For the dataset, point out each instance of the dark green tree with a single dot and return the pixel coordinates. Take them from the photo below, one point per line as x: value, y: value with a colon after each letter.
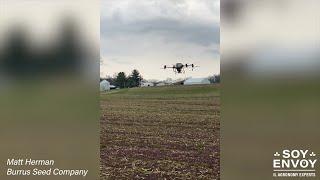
x: 135, y: 78
x: 217, y: 78
x: 130, y: 82
x: 214, y: 79
x: 121, y: 80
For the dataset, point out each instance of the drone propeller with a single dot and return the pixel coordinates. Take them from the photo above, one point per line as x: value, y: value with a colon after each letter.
x: 190, y: 65
x: 166, y: 67
x: 194, y: 66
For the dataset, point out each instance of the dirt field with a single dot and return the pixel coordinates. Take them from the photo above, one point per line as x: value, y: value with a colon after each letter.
x: 161, y: 133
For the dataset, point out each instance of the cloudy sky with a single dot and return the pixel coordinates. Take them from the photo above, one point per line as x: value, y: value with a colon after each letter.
x: 147, y: 34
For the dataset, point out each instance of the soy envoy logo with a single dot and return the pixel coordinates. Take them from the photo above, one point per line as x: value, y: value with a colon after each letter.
x: 294, y: 163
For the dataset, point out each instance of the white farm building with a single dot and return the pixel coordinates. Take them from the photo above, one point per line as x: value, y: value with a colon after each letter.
x: 193, y: 81
x: 104, y: 85
x: 147, y: 84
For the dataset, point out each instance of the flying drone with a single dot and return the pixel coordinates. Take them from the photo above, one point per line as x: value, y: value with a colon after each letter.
x: 180, y: 68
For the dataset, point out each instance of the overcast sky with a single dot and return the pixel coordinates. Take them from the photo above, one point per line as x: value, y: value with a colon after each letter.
x: 147, y: 34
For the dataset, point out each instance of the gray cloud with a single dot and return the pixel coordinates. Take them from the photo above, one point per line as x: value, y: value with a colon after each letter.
x: 119, y: 61
x: 149, y: 33
x: 169, y: 29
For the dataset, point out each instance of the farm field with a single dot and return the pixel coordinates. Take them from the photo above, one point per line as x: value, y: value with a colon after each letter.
x: 160, y: 133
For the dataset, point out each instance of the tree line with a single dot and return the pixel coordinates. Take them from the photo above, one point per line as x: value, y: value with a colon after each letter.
x: 134, y: 79
x: 121, y: 80
x: 214, y: 79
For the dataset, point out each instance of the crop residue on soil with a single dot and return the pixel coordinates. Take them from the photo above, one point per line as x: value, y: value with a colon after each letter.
x: 161, y: 132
